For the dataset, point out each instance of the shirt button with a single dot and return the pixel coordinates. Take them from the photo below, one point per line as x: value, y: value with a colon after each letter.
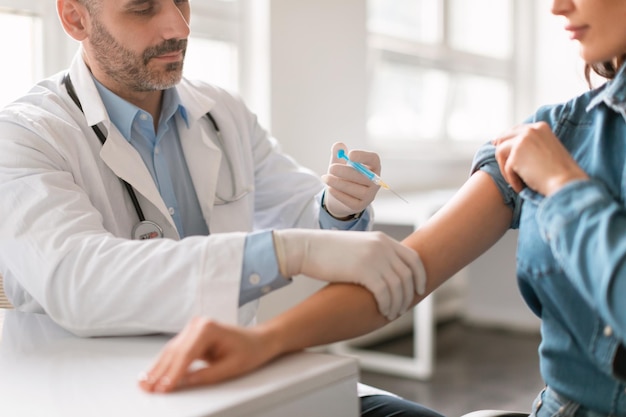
x: 608, y: 331
x: 143, y: 116
x: 255, y: 279
x: 172, y: 211
x: 157, y: 150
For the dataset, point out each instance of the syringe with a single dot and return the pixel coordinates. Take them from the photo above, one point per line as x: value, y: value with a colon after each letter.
x: 369, y: 174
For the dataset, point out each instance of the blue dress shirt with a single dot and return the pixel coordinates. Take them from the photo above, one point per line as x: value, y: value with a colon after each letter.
x: 162, y: 154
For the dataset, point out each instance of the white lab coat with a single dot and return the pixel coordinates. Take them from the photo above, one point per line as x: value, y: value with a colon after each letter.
x: 65, y: 240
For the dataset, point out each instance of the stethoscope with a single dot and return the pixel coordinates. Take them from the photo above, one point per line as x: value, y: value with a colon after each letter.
x: 147, y: 229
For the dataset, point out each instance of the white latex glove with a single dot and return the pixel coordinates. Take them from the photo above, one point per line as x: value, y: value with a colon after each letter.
x: 349, y: 192
x: 388, y: 269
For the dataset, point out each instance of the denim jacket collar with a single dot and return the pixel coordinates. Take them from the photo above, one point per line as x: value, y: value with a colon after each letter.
x: 613, y: 94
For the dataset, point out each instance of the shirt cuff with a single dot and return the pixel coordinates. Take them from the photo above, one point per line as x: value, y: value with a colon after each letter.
x: 259, y: 274
x: 327, y: 221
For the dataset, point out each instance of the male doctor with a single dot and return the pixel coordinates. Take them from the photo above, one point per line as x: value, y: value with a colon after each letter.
x: 133, y: 199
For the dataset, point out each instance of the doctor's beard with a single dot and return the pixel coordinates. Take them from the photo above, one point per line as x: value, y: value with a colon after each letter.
x: 131, y: 69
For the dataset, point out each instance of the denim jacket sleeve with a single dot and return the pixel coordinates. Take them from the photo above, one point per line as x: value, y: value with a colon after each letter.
x: 586, y: 227
x: 485, y: 160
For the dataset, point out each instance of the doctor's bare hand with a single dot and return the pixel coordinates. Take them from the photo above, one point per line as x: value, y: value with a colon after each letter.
x: 349, y: 192
x: 206, y: 352
x: 392, y: 272
x: 531, y: 155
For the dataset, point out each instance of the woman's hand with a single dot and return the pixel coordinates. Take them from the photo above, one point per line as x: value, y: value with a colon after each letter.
x: 531, y: 155
x: 224, y: 352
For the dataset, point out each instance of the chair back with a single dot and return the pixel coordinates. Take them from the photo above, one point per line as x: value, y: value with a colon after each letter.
x: 4, y: 302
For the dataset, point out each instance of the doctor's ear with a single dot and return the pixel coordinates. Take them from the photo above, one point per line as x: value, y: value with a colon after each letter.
x: 74, y: 17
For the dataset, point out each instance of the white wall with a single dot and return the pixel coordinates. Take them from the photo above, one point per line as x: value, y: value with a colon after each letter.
x: 317, y: 95
x: 318, y: 78
x: 307, y: 79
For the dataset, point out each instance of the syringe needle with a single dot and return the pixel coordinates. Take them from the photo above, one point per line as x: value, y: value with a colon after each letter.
x: 398, y: 195
x: 387, y: 187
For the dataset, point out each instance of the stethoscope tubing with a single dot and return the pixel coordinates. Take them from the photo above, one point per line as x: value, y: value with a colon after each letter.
x: 131, y: 192
x: 102, y: 137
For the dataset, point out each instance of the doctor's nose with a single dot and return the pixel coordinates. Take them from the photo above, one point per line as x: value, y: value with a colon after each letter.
x: 174, y: 21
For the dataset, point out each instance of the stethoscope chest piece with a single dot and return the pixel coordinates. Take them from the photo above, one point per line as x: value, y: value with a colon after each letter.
x: 147, y: 230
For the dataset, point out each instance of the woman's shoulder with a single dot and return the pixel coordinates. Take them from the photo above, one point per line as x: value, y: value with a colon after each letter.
x: 577, y: 107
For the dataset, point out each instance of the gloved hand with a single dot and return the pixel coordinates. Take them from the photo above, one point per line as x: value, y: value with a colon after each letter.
x: 391, y: 271
x: 349, y: 192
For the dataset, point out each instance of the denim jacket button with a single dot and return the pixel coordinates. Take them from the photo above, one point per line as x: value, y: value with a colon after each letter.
x: 608, y: 331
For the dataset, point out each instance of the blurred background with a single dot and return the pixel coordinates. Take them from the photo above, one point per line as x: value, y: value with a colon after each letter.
x: 422, y: 82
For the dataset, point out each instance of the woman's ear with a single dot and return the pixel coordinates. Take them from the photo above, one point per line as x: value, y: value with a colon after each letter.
x: 73, y: 16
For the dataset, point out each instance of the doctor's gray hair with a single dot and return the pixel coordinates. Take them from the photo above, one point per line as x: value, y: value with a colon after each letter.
x: 92, y: 6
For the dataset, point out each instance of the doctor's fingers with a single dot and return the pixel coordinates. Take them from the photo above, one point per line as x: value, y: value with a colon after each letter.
x: 351, y: 194
x: 345, y: 173
x: 399, y: 280
x: 398, y: 271
x: 367, y: 158
x: 334, y: 159
x: 410, y: 269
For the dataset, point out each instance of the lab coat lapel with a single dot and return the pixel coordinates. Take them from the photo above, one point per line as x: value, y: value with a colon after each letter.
x: 202, y: 155
x: 127, y: 164
x: 117, y: 153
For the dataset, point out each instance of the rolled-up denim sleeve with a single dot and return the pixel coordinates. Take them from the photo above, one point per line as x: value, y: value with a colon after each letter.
x: 485, y: 160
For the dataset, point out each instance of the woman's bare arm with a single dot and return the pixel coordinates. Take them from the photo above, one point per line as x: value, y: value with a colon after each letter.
x: 461, y: 231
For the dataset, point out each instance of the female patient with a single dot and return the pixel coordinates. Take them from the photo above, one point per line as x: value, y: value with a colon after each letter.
x: 561, y: 179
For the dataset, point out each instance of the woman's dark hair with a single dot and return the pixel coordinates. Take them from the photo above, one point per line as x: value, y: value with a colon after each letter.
x: 606, y: 70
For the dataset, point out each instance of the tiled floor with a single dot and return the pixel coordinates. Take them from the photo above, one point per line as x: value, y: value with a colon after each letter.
x: 476, y: 368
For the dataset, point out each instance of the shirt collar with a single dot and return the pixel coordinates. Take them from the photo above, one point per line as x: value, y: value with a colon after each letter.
x: 123, y: 114
x: 613, y: 94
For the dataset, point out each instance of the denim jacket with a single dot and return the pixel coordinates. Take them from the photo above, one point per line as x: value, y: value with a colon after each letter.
x: 571, y: 254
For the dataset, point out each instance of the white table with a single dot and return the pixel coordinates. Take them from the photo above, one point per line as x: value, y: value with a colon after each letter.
x: 46, y: 371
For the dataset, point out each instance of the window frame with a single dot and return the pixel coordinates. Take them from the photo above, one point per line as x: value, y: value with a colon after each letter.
x: 516, y: 70
x: 214, y: 19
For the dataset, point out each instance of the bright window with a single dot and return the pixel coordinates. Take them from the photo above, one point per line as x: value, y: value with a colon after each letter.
x: 20, y: 42
x: 32, y: 40
x: 441, y: 71
x: 214, y: 44
x: 214, y: 61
